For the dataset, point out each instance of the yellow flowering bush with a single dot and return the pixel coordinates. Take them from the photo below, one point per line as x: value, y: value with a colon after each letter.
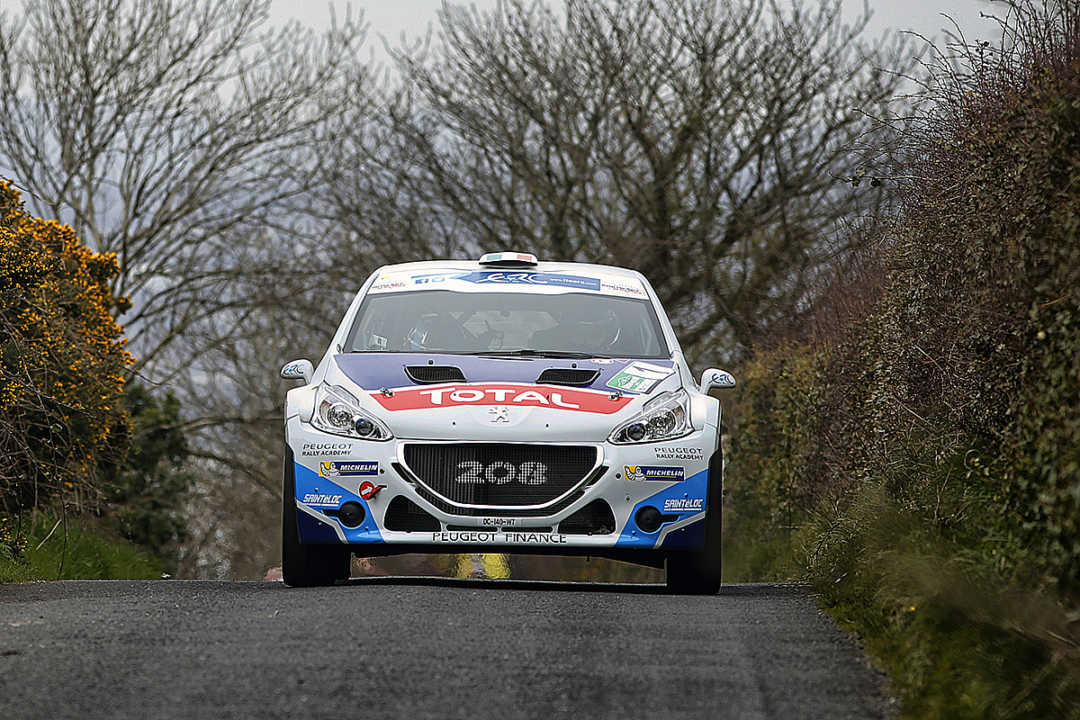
x: 62, y: 360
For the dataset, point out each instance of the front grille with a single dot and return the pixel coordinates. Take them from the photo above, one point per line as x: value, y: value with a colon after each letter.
x: 428, y: 374
x: 565, y: 376
x: 500, y: 474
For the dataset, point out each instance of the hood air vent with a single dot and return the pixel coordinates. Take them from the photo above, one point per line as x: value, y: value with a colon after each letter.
x: 564, y: 376
x: 428, y: 374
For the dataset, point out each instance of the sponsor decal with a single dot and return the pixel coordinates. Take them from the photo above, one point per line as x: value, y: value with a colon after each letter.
x: 654, y: 472
x: 369, y: 489
x: 504, y: 394
x: 670, y: 452
x: 322, y: 500
x: 348, y: 469
x: 331, y: 449
x: 683, y: 504
x: 481, y: 537
x: 385, y: 284
x: 722, y: 377
x: 579, y: 282
x: 639, y: 377
x: 432, y: 278
x: 622, y: 288
x: 294, y: 369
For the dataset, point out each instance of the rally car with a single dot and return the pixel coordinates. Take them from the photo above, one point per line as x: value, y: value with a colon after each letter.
x: 503, y: 405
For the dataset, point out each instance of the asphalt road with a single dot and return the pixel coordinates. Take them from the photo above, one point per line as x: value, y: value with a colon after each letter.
x: 424, y: 648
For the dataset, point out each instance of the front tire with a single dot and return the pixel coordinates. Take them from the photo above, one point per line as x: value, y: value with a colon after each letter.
x: 697, y: 572
x: 306, y: 565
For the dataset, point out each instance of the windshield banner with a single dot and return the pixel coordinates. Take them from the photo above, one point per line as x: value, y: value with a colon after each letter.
x: 620, y: 285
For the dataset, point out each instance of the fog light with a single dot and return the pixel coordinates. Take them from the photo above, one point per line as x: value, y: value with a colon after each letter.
x: 351, y: 514
x: 649, y: 519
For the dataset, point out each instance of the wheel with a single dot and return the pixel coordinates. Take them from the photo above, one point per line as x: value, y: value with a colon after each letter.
x: 306, y: 565
x: 697, y: 572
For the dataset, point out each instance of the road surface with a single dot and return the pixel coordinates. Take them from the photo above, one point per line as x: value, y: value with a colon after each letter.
x: 424, y: 648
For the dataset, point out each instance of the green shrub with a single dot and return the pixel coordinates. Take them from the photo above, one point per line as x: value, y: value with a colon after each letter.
x: 919, y: 461
x: 145, y: 490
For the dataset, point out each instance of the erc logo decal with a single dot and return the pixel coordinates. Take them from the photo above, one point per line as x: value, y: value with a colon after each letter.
x: 654, y: 472
x: 348, y: 469
x: 501, y: 394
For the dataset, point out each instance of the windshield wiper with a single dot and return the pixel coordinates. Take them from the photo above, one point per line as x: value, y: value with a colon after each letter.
x: 541, y: 353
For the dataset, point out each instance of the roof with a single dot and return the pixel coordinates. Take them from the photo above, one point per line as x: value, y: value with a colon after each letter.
x: 544, y: 277
x: 465, y: 265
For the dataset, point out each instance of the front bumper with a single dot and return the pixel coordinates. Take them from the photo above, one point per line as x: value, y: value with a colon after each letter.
x: 330, y: 471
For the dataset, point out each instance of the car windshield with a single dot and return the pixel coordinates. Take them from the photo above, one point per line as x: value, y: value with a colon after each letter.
x: 569, y: 324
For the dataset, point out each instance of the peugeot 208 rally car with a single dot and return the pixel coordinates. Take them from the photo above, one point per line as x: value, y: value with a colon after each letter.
x: 505, y: 405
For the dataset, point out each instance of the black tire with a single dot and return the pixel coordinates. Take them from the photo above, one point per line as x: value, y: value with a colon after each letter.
x: 698, y: 572
x: 306, y: 565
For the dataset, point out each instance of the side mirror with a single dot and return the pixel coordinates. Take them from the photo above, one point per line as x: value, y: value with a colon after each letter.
x: 713, y: 379
x: 298, y: 370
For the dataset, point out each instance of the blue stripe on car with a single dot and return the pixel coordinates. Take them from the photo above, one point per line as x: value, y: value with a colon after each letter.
x: 313, y: 530
x: 690, y: 537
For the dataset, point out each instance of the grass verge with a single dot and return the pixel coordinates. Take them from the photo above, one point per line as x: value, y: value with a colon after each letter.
x: 78, y: 548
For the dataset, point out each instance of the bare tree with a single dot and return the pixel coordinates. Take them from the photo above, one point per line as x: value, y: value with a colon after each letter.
x: 706, y: 143
x: 169, y: 133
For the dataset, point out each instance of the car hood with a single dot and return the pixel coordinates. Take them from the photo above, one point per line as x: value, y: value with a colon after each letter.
x: 502, y: 399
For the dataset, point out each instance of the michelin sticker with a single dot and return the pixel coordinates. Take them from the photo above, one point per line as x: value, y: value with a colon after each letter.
x: 639, y: 377
x: 654, y: 472
x: 348, y: 469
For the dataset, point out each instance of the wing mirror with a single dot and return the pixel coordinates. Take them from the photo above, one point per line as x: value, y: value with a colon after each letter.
x: 298, y: 370
x: 714, y: 379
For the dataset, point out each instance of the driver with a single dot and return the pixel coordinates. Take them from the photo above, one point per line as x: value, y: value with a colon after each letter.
x: 439, y: 332
x: 586, y: 327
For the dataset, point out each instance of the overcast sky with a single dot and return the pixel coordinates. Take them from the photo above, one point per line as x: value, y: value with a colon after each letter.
x: 390, y: 18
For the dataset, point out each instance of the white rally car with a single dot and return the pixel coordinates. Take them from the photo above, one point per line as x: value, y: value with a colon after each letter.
x: 505, y: 405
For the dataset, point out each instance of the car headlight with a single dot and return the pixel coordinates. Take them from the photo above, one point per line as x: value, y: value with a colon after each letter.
x: 665, y: 417
x: 338, y: 412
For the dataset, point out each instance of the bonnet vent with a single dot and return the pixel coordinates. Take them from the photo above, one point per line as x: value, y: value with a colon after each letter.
x: 564, y: 376
x: 427, y: 374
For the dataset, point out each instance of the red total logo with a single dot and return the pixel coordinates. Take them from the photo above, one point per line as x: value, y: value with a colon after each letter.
x: 502, y: 394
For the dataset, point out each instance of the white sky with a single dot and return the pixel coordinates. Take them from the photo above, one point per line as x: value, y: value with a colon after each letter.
x: 390, y: 18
